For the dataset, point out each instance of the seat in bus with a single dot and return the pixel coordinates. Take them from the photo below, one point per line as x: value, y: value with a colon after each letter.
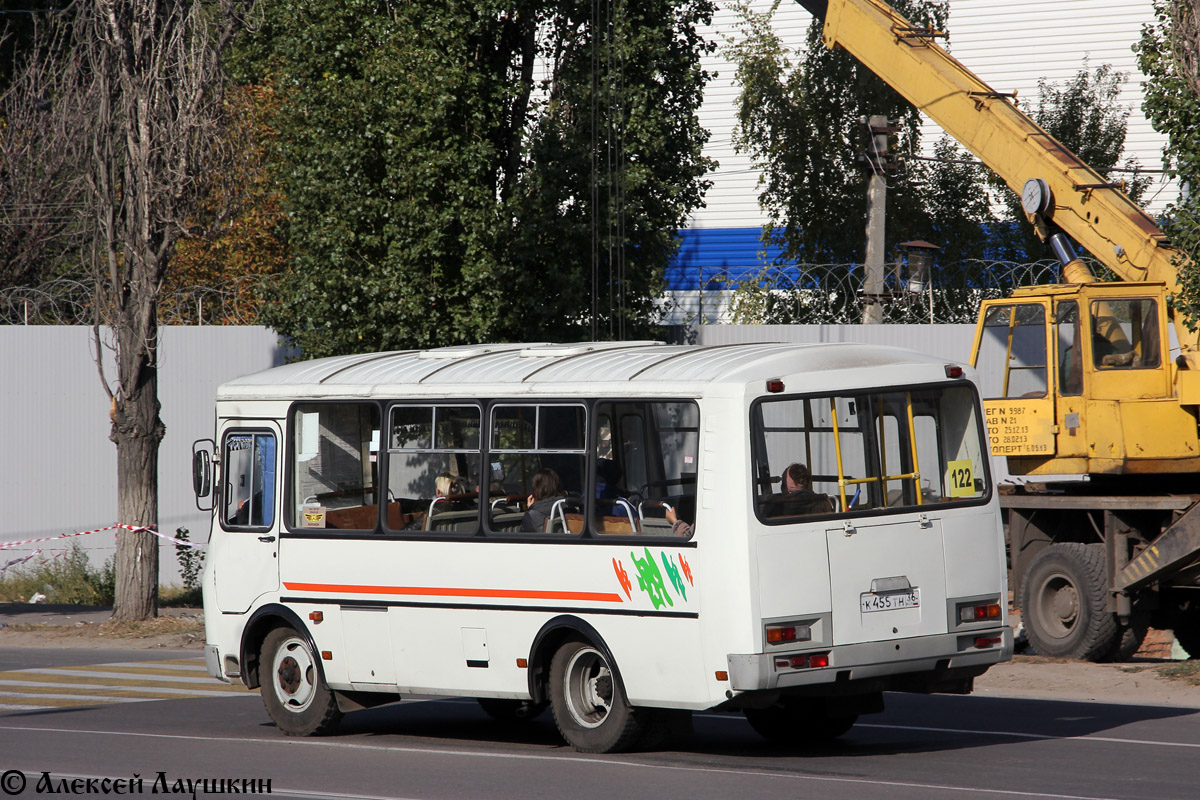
x: 452, y: 520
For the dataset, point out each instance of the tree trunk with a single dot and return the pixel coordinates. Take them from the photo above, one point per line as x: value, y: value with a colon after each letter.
x: 137, y: 431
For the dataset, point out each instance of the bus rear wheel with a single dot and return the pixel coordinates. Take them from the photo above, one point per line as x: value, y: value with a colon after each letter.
x: 293, y: 688
x: 799, y: 721
x: 589, y: 705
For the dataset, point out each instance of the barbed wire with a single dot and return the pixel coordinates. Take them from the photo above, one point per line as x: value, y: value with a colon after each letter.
x: 792, y: 294
x: 68, y: 301
x: 834, y: 294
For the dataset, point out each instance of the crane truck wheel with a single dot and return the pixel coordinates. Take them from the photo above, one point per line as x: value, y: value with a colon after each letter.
x: 1064, y: 604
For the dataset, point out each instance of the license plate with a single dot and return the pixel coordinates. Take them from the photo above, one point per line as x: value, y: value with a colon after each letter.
x: 890, y: 601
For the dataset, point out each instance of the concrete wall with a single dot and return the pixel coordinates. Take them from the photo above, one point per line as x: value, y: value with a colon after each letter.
x: 59, y: 473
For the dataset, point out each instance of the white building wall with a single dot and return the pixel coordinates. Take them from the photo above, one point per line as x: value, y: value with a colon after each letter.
x: 1010, y: 45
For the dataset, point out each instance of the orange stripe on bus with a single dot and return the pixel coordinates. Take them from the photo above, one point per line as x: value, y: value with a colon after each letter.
x: 521, y: 594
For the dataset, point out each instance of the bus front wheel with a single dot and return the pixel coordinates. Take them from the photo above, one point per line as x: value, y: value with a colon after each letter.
x: 588, y: 702
x: 293, y: 688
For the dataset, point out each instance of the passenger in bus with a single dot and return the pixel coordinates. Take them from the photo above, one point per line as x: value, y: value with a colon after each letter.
x: 797, y: 497
x: 447, y: 484
x: 547, y: 488
x: 678, y: 526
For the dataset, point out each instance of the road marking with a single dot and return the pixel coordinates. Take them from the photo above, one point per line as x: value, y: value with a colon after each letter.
x: 605, y: 763
x: 103, y: 684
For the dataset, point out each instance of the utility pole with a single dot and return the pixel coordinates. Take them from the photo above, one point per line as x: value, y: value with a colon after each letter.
x: 876, y: 163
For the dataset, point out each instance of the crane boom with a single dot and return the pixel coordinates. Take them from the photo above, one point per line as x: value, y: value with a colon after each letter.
x: 1096, y: 213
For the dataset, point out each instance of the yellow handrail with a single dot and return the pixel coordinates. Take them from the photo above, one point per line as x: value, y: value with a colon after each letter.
x: 912, y: 443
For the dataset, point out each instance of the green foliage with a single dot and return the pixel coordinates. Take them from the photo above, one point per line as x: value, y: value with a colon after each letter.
x: 191, y: 561
x: 1173, y: 108
x: 1086, y: 116
x: 956, y: 203
x: 800, y: 115
x: 440, y: 191
x: 69, y: 579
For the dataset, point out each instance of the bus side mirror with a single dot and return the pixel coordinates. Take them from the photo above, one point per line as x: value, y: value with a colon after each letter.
x: 202, y: 470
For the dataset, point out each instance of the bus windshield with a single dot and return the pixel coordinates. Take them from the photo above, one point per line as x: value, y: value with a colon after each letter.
x: 870, y: 452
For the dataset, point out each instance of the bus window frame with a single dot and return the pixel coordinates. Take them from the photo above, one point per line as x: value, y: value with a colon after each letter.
x: 224, y: 476
x: 483, y: 533
x: 757, y: 441
x: 290, y: 463
x: 385, y: 468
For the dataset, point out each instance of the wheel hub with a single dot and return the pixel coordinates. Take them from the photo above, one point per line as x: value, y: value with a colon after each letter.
x: 289, y: 675
x: 1066, y: 605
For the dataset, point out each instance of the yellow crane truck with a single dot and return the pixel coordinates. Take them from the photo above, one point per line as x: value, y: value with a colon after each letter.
x: 1089, y: 379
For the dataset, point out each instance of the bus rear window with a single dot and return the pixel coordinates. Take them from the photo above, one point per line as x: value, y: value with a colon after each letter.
x: 871, y: 452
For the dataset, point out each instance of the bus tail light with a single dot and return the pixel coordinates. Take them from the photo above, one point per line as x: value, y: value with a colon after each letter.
x: 984, y: 642
x: 774, y: 386
x: 979, y: 613
x: 954, y: 371
x: 809, y: 661
x: 787, y: 632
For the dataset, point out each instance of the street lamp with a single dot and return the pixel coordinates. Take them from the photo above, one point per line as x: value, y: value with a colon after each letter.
x: 919, y: 255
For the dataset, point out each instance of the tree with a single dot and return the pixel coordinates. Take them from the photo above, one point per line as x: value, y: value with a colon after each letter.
x: 1167, y: 57
x: 1086, y: 116
x: 136, y: 85
x: 800, y: 115
x: 958, y: 207
x: 233, y: 256
x: 479, y: 170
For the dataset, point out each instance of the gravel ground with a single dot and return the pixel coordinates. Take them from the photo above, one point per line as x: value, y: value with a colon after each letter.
x: 1150, y: 679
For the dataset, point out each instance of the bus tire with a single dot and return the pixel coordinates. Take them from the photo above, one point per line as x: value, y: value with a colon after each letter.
x: 504, y: 710
x: 793, y: 721
x: 293, y: 688
x: 588, y: 702
x: 1064, y: 604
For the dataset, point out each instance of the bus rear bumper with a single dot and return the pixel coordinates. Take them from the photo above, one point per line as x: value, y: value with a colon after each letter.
x: 928, y: 663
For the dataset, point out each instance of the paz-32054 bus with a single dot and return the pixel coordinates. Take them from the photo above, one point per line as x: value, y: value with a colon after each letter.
x: 624, y: 532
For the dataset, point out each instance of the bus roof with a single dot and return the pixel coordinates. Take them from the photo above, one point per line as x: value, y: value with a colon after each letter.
x: 520, y: 368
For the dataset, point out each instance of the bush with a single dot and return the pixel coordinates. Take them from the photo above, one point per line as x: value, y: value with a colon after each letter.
x: 68, y: 580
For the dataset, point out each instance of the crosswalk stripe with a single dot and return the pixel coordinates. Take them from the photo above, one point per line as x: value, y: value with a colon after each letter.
x: 172, y: 672
x: 188, y: 666
x: 102, y: 684
x: 48, y: 676
x: 81, y: 697
x: 34, y: 687
x: 101, y: 672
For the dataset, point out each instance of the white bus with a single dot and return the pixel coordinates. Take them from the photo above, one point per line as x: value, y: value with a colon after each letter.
x: 373, y: 535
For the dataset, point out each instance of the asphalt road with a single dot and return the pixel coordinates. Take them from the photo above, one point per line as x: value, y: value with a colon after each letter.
x: 924, y: 748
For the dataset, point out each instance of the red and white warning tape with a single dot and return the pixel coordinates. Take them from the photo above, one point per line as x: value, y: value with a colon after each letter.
x: 118, y: 527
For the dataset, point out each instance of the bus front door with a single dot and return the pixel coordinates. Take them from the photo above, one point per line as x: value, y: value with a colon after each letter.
x: 244, y: 550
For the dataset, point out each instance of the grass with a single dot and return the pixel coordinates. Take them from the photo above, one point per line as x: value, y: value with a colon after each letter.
x: 72, y: 580
x: 1186, y: 671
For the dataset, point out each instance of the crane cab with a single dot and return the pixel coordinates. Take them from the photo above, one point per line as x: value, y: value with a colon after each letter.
x: 1078, y: 379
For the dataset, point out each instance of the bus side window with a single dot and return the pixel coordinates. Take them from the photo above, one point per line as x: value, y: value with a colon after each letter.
x: 248, y: 498
x: 434, y: 471
x: 645, y: 464
x: 527, y: 440
x: 333, y: 483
